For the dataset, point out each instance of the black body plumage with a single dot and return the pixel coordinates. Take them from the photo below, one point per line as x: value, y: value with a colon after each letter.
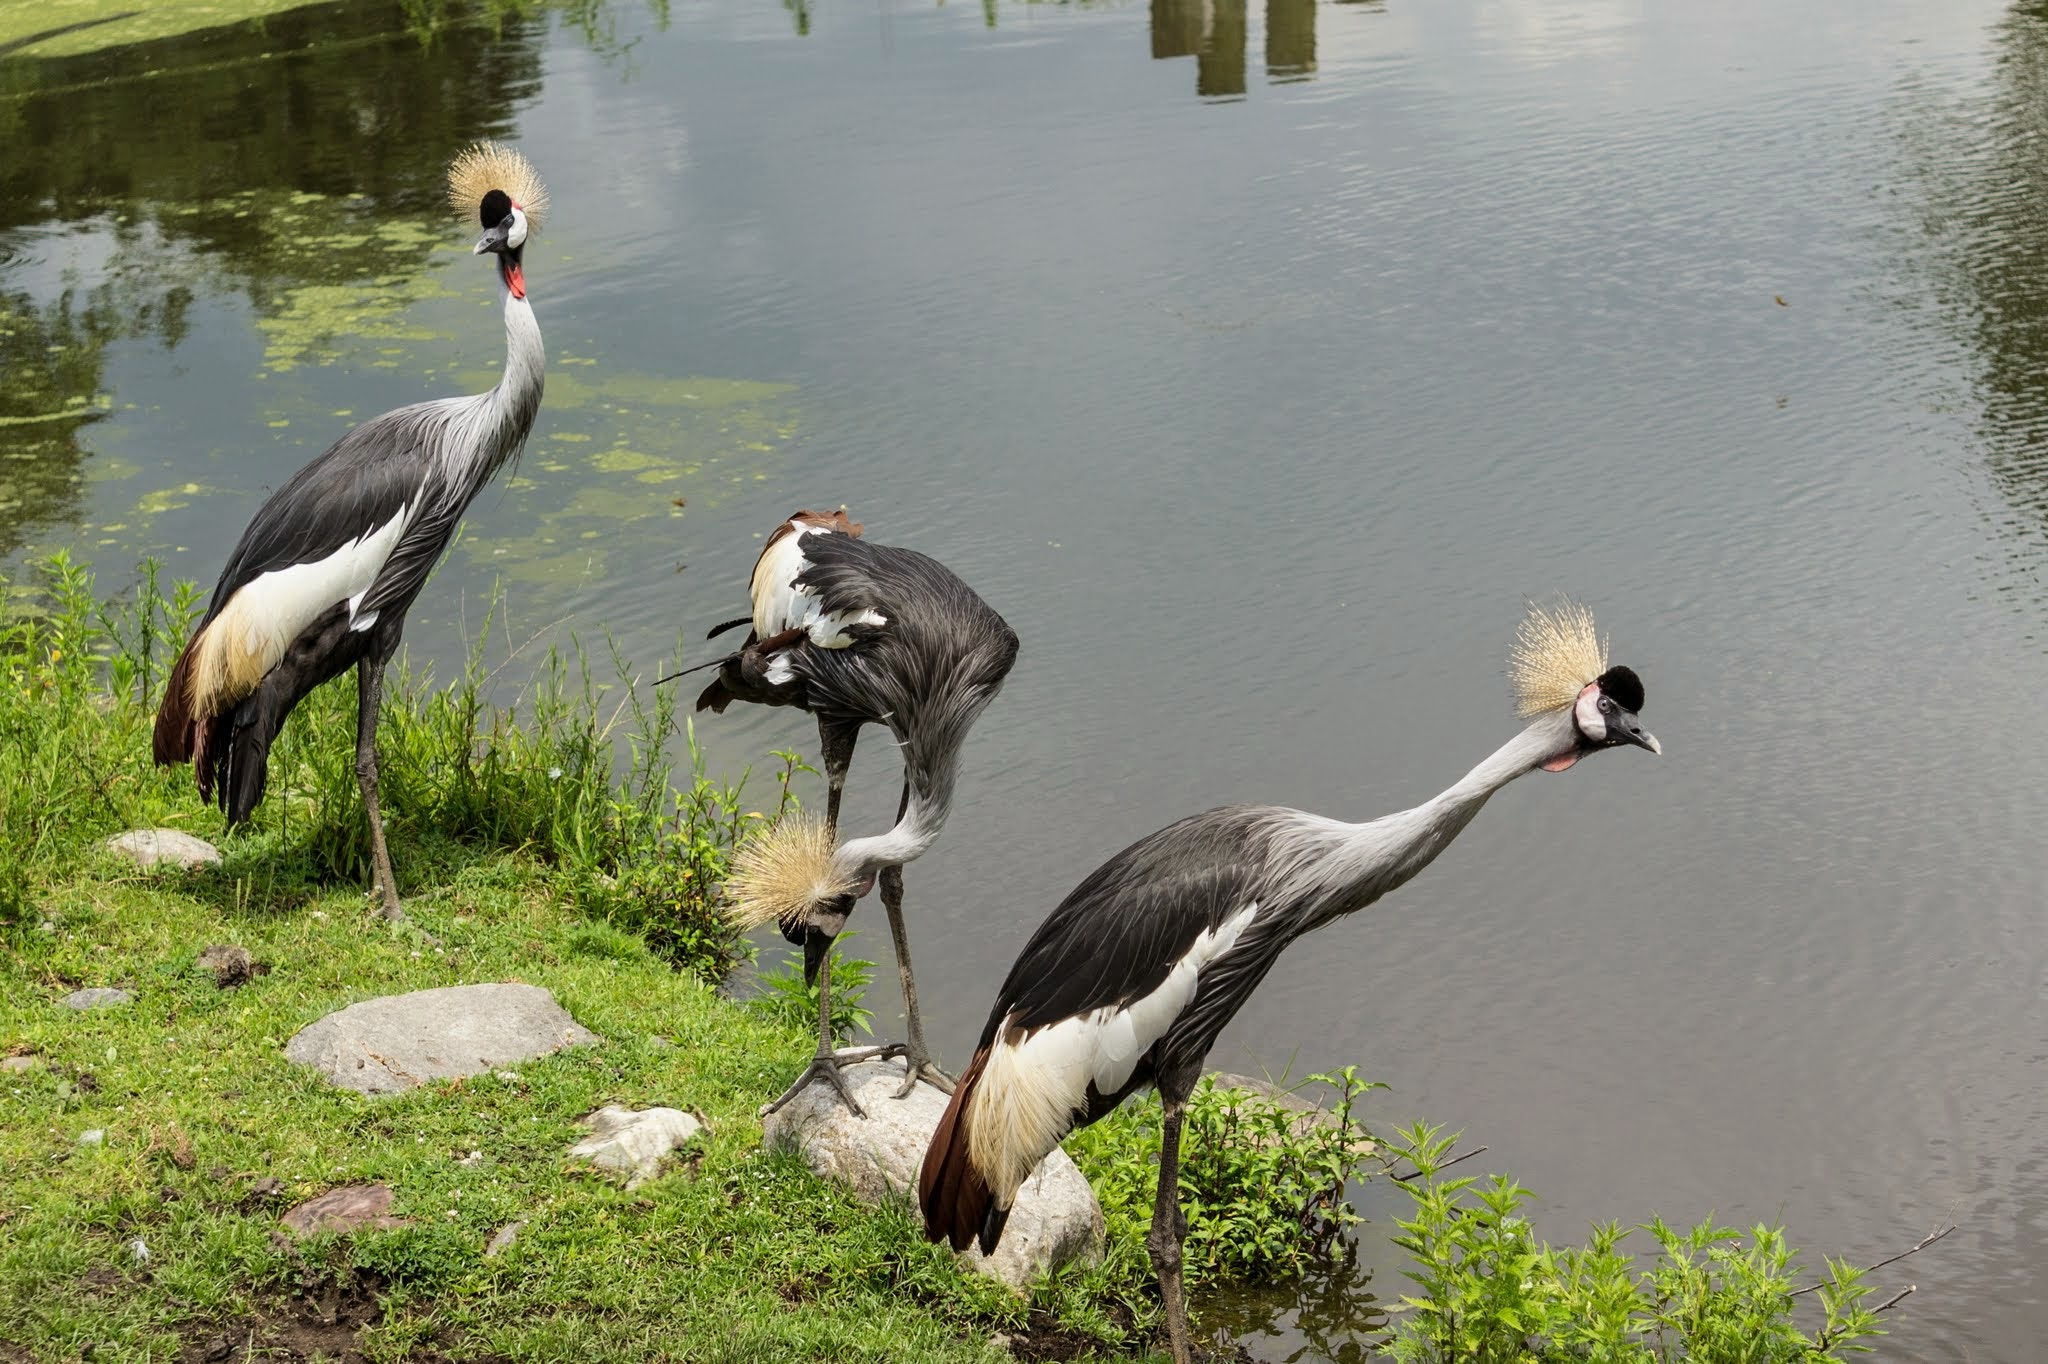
x: 1117, y: 935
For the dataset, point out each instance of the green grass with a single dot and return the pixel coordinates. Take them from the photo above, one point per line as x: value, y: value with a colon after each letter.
x: 742, y: 1255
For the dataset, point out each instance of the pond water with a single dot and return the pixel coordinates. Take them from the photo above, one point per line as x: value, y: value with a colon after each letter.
x: 1257, y: 364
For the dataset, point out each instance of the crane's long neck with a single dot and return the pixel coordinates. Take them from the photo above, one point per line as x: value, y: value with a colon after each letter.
x: 517, y: 397
x: 492, y: 427
x: 928, y: 799
x: 1348, y: 866
x: 931, y: 738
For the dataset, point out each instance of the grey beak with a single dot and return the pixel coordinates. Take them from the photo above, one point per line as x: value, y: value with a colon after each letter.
x: 1631, y: 731
x: 493, y: 239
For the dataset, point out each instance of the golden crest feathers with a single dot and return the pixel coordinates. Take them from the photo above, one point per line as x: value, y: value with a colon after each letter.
x: 1556, y: 653
x: 493, y: 165
x: 778, y: 875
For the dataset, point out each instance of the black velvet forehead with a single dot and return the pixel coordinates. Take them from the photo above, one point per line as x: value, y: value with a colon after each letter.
x: 1622, y: 684
x: 495, y: 207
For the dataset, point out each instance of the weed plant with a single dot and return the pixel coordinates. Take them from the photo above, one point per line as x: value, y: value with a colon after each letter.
x: 1490, y: 1293
x: 787, y: 1000
x: 1263, y: 1183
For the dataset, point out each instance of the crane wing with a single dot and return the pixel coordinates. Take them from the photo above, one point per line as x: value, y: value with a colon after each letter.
x: 1103, y: 980
x: 359, y: 486
x: 1118, y: 934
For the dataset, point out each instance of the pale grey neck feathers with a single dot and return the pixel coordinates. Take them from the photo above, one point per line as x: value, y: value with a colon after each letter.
x: 1335, y: 868
x: 488, y: 430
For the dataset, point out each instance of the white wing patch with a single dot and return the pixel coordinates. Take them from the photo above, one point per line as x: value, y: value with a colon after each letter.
x: 779, y: 604
x: 1030, y: 1090
x: 266, y: 614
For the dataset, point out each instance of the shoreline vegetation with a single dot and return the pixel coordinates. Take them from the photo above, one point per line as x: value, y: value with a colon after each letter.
x: 148, y: 1151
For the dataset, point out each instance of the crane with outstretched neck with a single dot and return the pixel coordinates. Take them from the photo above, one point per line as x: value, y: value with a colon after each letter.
x: 1132, y: 978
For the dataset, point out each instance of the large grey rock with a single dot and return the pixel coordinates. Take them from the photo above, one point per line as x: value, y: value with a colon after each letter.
x: 1056, y: 1217
x: 164, y: 847
x: 634, y: 1143
x: 392, y: 1044
x: 98, y: 997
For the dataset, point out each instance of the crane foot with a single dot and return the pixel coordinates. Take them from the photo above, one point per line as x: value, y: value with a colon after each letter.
x: 922, y: 1068
x: 826, y: 1066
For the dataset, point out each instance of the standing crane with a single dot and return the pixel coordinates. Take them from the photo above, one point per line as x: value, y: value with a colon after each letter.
x: 323, y: 576
x: 857, y: 633
x: 1132, y: 978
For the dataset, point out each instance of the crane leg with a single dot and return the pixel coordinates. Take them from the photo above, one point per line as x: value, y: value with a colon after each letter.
x: 917, y: 1061
x: 1169, y: 1228
x: 835, y: 750
x: 825, y: 1065
x: 369, y: 691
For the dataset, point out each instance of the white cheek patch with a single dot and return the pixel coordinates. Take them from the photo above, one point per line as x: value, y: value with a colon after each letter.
x: 517, y: 235
x: 1586, y: 711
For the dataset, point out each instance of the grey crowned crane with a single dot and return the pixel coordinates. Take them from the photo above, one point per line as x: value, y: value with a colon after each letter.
x: 857, y: 633
x: 1130, y: 980
x: 323, y: 576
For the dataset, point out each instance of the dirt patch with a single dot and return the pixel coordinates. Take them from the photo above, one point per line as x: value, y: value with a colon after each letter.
x: 322, y: 1324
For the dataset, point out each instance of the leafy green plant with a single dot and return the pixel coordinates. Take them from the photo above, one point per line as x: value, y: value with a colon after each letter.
x: 1490, y: 1293
x: 425, y: 1258
x: 786, y: 1000
x: 1263, y: 1183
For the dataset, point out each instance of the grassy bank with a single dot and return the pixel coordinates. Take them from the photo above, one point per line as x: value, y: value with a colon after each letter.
x: 147, y: 1151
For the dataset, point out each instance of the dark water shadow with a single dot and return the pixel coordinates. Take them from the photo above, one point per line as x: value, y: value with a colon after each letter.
x: 8, y: 49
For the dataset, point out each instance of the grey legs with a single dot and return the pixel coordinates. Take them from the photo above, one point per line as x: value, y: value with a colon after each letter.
x: 369, y: 691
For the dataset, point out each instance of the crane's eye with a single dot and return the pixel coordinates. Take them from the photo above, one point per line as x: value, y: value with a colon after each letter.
x: 1607, y: 705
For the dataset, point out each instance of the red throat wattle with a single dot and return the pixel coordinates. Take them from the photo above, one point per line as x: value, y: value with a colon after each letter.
x: 514, y: 280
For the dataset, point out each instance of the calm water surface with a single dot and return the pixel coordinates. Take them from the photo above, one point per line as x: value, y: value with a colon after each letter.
x: 1257, y: 364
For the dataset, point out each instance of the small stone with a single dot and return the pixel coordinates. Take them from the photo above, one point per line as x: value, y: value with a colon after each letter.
x: 231, y: 965
x: 1056, y: 1218
x: 98, y: 997
x: 509, y: 1077
x: 505, y: 1236
x: 473, y: 1158
x: 634, y: 1143
x: 320, y: 914
x: 164, y: 847
x: 18, y: 1063
x: 345, y: 1209
x: 659, y: 1043
x: 93, y: 1136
